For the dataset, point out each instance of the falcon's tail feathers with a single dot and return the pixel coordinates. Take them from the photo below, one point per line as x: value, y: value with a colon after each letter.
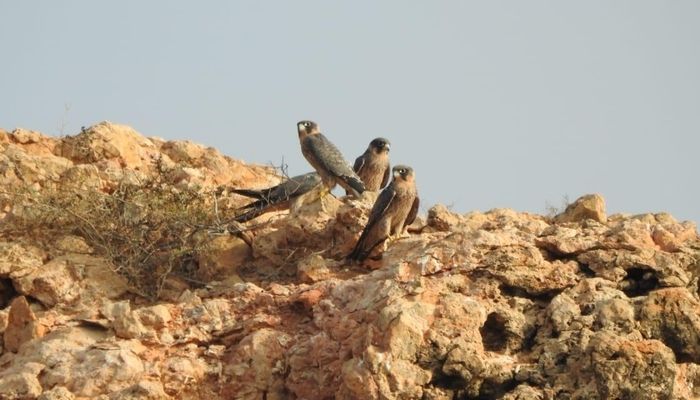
x: 355, y: 184
x: 250, y: 214
x: 256, y: 194
x: 358, y: 253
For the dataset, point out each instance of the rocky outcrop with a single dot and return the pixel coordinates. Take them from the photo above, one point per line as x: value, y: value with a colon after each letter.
x: 498, y: 304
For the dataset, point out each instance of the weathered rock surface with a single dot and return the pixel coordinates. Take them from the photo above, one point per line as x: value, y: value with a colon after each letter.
x: 22, y: 325
x: 487, y: 305
x: 590, y: 206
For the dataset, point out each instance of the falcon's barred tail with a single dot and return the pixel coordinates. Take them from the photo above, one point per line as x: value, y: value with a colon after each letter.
x: 256, y: 194
x: 360, y: 254
x: 355, y: 255
x: 254, y: 209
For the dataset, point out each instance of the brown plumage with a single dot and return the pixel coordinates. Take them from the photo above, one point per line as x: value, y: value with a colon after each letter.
x: 395, y: 209
x: 276, y: 198
x: 373, y: 165
x: 327, y: 160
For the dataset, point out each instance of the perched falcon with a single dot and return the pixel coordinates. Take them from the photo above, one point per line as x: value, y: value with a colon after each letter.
x: 327, y: 159
x: 395, y: 208
x: 276, y: 198
x: 373, y: 165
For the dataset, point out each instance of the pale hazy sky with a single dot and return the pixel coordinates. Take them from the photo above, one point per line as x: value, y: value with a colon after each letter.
x: 494, y: 103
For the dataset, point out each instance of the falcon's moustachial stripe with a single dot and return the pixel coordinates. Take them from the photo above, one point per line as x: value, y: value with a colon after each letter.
x: 327, y: 160
x: 373, y: 165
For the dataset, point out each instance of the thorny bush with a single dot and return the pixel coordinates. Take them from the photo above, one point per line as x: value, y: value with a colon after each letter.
x: 148, y: 230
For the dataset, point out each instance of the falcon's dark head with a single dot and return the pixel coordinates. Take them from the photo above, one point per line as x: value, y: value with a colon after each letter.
x: 403, y: 173
x: 306, y: 128
x: 380, y: 145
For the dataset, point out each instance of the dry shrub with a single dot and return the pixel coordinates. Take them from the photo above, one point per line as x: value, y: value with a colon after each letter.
x: 552, y: 211
x: 148, y: 230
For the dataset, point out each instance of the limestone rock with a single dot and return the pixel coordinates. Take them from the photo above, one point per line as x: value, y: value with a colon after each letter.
x: 19, y: 386
x: 639, y: 271
x: 126, y: 323
x: 57, y: 393
x: 525, y: 269
x: 526, y: 392
x: 441, y: 219
x: 496, y: 304
x: 179, y: 371
x: 67, y: 278
x: 256, y: 365
x: 22, y: 325
x: 144, y: 390
x: 24, y: 136
x: 205, y: 165
x: 673, y: 236
x: 18, y: 260
x: 18, y: 167
x: 310, y: 230
x: 673, y: 317
x: 51, y: 284
x: 83, y: 176
x: 563, y: 240
x: 156, y: 316
x: 100, y: 370
x: 313, y: 269
x: 590, y: 206
x: 107, y: 141
x: 223, y: 257
x: 638, y: 369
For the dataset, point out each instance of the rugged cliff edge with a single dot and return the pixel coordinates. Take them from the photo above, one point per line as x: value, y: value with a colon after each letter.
x: 488, y: 305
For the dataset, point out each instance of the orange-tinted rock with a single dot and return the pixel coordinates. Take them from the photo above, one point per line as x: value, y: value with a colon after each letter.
x: 590, y: 206
x: 22, y: 325
x: 496, y: 304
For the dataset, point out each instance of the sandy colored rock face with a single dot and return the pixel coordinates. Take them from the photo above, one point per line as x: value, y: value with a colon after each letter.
x: 673, y: 317
x: 22, y: 325
x: 591, y: 206
x: 17, y: 260
x: 144, y: 390
x: 489, y: 305
x: 19, y: 386
x: 224, y: 257
x: 57, y: 393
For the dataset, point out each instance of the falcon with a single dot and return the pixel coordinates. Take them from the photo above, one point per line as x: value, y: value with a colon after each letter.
x: 327, y: 160
x: 396, y: 208
x: 276, y: 198
x: 373, y: 165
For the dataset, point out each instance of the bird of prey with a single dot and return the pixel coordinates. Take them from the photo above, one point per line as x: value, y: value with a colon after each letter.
x: 327, y: 160
x: 395, y: 209
x: 276, y: 198
x: 373, y: 165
